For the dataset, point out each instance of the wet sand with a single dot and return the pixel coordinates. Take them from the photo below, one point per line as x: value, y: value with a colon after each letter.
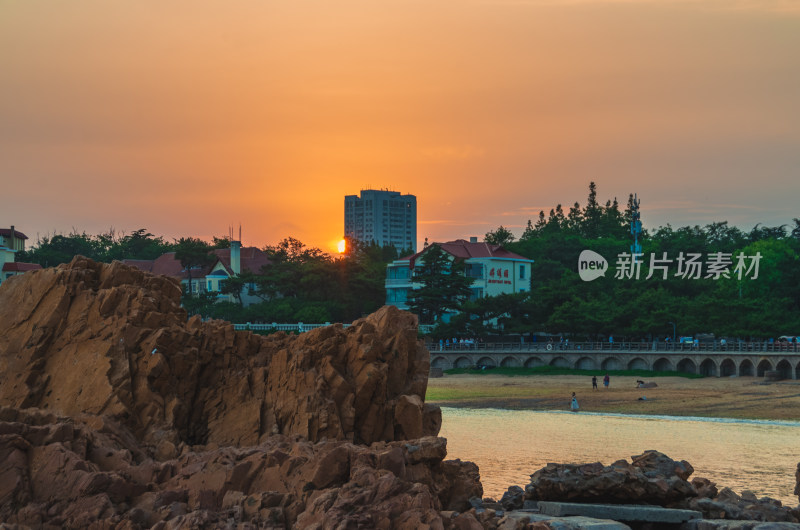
x: 729, y: 397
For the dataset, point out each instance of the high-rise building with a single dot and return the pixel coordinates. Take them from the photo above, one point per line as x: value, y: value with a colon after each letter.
x: 382, y: 216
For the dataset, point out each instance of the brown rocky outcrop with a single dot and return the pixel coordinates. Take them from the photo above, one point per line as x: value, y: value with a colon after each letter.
x: 650, y: 478
x: 727, y: 504
x: 117, y: 412
x: 112, y: 340
x: 84, y: 471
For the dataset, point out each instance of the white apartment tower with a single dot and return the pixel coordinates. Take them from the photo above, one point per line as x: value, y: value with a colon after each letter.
x: 383, y: 216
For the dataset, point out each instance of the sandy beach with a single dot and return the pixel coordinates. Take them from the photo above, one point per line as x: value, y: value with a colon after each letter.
x: 730, y: 397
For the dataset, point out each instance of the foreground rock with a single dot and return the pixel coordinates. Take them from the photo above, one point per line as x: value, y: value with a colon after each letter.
x: 651, y: 478
x: 76, y: 473
x: 117, y: 412
x: 112, y: 340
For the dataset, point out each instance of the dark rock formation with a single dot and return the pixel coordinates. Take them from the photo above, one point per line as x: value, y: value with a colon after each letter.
x: 513, y: 498
x: 655, y: 479
x: 76, y: 472
x: 651, y: 478
x: 728, y: 505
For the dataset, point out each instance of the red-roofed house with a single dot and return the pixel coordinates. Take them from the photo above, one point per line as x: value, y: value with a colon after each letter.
x: 229, y: 262
x: 11, y: 242
x: 494, y: 270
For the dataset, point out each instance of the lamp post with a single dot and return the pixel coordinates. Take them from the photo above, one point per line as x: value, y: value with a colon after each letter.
x: 673, y: 331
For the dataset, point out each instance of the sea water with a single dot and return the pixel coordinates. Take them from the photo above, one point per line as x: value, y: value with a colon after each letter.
x: 510, y: 445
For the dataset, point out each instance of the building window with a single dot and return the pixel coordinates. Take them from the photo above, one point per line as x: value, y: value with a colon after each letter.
x: 474, y: 270
x: 522, y: 272
x: 399, y: 273
x: 394, y: 296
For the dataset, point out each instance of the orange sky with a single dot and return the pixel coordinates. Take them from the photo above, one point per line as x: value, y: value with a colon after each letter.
x: 186, y: 117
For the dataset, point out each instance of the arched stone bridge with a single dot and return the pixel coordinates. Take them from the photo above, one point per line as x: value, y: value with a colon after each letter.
x: 707, y: 360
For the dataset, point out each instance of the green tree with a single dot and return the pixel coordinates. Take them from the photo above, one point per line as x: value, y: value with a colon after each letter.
x: 444, y: 285
x: 235, y: 285
x: 501, y: 236
x: 140, y: 244
x: 592, y: 214
x: 57, y: 249
x: 193, y: 253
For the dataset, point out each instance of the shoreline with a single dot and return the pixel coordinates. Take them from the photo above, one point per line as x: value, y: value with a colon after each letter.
x: 735, y: 398
x: 702, y: 419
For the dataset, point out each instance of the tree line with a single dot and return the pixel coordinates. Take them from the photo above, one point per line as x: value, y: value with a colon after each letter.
x: 302, y: 284
x: 305, y: 284
x: 560, y: 302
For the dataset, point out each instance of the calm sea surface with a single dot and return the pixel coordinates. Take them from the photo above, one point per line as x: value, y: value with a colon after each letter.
x: 510, y: 445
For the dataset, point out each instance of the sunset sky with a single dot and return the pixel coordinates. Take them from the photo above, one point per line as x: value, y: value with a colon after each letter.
x: 188, y: 116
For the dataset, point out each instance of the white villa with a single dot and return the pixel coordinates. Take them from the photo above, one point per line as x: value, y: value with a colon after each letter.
x: 228, y: 262
x: 494, y: 270
x: 11, y: 242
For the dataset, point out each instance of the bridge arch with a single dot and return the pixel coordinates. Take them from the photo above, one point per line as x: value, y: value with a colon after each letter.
x: 533, y: 362
x: 462, y: 362
x: 638, y: 364
x: 746, y: 368
x: 585, y: 363
x: 727, y: 368
x: 611, y: 363
x: 784, y: 369
x: 510, y: 362
x: 687, y: 366
x: 662, y: 365
x: 560, y: 362
x: 708, y: 368
x: 440, y: 362
x: 486, y: 361
x: 763, y: 366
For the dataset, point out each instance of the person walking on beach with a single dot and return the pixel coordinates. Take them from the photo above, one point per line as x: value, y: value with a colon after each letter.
x: 606, y: 381
x: 594, y: 382
x: 574, y: 405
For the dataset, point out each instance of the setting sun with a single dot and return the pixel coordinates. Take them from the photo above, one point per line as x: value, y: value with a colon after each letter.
x: 341, y: 246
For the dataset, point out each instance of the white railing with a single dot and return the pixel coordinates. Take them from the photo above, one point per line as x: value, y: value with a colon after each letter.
x: 299, y: 327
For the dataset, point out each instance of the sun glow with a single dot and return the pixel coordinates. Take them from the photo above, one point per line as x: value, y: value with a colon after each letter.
x: 341, y: 246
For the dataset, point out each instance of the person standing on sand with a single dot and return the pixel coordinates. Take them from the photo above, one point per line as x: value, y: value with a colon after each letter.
x: 594, y: 382
x: 574, y: 405
x: 606, y: 381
